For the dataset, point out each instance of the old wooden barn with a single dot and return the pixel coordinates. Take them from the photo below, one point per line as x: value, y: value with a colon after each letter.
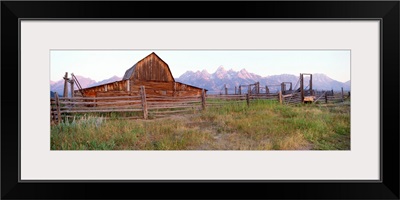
x: 152, y: 73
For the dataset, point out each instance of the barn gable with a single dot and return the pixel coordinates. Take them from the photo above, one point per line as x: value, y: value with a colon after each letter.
x: 150, y: 68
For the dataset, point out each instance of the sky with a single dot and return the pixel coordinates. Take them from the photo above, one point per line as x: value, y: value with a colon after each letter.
x: 103, y: 64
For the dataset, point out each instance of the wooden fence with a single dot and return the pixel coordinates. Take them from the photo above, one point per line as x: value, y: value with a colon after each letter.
x: 219, y: 100
x: 145, y: 106
x: 141, y: 106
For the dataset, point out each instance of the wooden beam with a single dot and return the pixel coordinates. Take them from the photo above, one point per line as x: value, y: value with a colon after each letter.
x: 326, y: 97
x: 258, y: 87
x: 342, y: 95
x: 72, y: 89
x: 66, y: 85
x: 302, y: 87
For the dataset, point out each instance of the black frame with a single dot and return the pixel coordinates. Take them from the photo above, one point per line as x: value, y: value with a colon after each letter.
x: 386, y: 11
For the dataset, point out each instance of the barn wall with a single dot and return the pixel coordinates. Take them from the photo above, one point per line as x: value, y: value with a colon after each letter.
x: 152, y: 68
x: 120, y: 88
x: 115, y: 86
x: 165, y: 88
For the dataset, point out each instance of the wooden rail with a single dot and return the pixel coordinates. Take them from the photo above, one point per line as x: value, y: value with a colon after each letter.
x: 149, y: 106
x: 144, y: 106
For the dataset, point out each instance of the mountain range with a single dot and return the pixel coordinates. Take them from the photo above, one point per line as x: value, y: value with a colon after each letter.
x: 214, y: 82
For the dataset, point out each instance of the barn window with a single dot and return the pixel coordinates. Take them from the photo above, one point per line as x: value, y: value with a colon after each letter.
x: 163, y: 92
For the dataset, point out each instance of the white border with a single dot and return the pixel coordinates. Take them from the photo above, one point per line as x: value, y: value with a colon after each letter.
x: 39, y: 163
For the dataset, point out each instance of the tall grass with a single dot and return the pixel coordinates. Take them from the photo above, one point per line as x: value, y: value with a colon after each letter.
x: 265, y: 125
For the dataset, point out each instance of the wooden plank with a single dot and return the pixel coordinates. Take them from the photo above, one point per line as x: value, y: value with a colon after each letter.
x: 111, y: 118
x: 175, y: 107
x: 226, y: 102
x: 174, y: 111
x: 100, y: 98
x: 138, y: 106
x: 227, y: 97
x: 100, y: 111
x: 99, y: 103
x: 172, y: 97
x: 173, y: 100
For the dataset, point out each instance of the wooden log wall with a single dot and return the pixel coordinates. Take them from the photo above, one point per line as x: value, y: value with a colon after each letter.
x: 152, y: 68
x: 165, y: 88
x: 109, y: 87
x: 132, y: 88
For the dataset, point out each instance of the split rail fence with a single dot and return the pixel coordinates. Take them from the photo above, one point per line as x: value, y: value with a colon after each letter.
x: 135, y: 107
x: 147, y: 106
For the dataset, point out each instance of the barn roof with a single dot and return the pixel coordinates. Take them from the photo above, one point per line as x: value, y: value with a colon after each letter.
x: 193, y: 86
x: 129, y: 72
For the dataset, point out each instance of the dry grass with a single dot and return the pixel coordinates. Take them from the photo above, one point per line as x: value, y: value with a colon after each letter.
x: 265, y: 125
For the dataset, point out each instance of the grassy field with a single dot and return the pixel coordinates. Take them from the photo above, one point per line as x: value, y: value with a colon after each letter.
x: 265, y: 125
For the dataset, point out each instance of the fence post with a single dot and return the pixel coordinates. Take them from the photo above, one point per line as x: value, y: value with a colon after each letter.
x: 144, y: 103
x: 326, y: 97
x: 258, y: 87
x: 240, y: 89
x: 302, y: 87
x: 65, y: 85
x: 226, y: 89
x: 280, y: 97
x: 203, y: 99
x: 72, y: 89
x: 57, y: 107
x: 342, y: 95
x: 248, y: 99
x: 235, y: 89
